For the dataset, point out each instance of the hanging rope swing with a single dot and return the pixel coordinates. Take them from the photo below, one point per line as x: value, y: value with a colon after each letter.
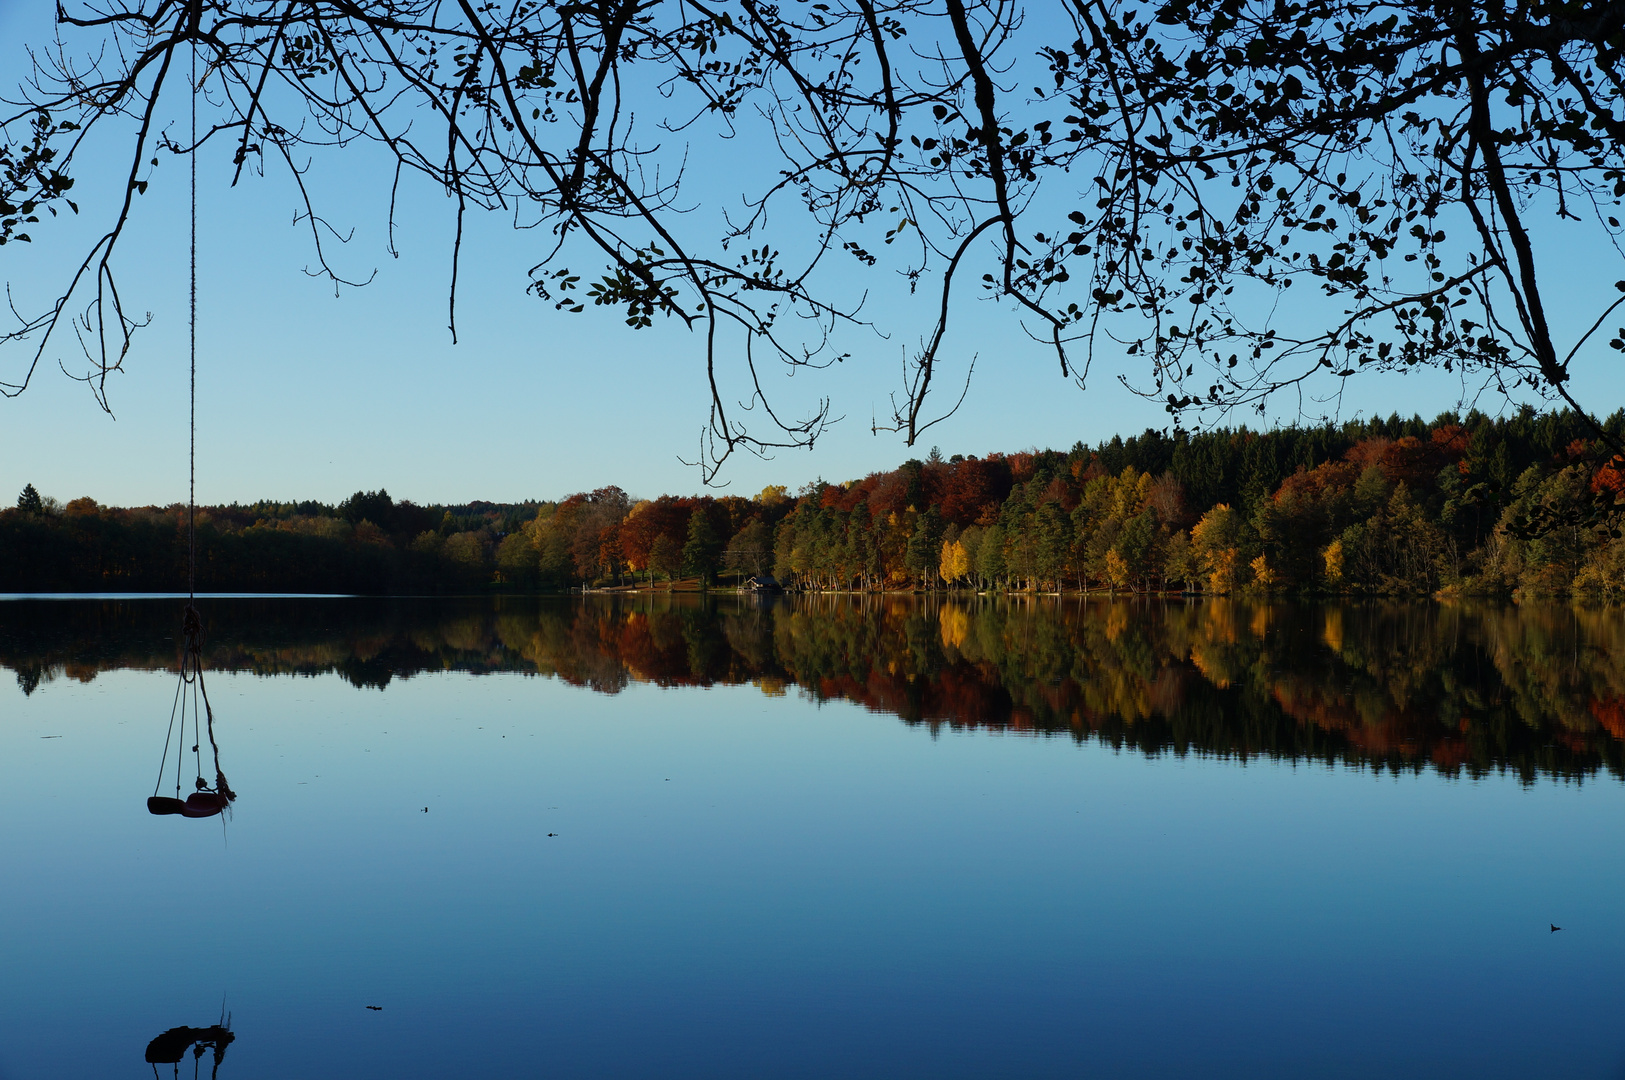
x: 191, y: 694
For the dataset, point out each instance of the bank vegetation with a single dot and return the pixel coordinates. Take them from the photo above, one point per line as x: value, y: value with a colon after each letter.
x: 1523, y: 504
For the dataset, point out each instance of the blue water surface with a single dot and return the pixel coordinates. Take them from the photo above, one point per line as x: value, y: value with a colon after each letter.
x: 534, y: 879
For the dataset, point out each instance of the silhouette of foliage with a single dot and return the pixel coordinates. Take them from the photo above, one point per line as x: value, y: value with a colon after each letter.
x: 1141, y: 180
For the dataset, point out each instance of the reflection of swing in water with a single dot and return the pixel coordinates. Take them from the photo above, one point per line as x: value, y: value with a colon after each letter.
x: 170, y: 1047
x: 205, y: 800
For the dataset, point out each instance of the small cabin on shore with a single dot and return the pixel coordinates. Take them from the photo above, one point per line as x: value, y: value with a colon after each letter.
x: 763, y: 583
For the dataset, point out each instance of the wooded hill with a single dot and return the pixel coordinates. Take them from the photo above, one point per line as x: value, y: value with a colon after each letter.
x: 1396, y: 506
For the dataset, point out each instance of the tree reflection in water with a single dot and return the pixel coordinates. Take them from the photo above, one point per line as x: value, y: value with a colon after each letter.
x: 1458, y: 687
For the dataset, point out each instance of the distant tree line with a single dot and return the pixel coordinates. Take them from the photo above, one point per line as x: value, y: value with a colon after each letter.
x: 367, y: 544
x: 1525, y: 502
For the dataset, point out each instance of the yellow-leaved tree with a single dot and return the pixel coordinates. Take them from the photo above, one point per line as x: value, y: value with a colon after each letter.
x: 1117, y: 570
x: 1215, y: 542
x: 1263, y: 576
x: 954, y: 564
x: 1333, y: 556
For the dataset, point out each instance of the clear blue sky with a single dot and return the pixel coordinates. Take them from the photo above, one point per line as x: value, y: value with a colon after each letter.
x: 304, y: 395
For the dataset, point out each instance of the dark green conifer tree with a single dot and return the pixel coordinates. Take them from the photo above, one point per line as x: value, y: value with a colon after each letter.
x: 702, y: 548
x: 924, y: 553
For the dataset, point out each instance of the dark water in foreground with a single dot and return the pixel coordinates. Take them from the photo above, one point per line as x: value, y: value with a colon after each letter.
x: 819, y: 838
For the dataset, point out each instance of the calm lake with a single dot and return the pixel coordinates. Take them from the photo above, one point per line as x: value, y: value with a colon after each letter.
x: 817, y: 837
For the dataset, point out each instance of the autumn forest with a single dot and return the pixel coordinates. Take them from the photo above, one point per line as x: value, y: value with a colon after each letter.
x: 1522, y: 504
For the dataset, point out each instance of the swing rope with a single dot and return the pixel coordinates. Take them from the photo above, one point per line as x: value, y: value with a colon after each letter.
x: 163, y: 762
x: 192, y: 666
x: 191, y: 449
x: 192, y: 624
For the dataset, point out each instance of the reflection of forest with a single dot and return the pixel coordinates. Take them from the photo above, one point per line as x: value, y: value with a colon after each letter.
x: 1533, y: 690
